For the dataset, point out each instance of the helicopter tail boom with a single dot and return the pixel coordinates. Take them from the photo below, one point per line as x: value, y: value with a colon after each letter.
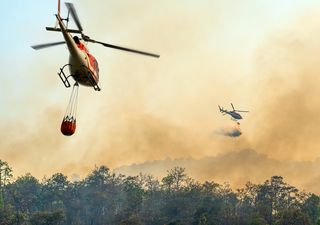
x: 73, y: 49
x: 59, y: 8
x: 221, y: 109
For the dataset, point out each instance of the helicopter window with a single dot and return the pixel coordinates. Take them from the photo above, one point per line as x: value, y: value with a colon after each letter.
x: 96, y: 65
x: 76, y: 40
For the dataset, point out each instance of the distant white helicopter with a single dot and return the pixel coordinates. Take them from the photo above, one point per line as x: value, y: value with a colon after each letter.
x: 234, y: 113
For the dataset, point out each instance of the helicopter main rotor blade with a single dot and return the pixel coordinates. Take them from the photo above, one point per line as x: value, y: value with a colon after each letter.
x: 241, y: 111
x: 123, y: 48
x: 47, y: 45
x: 232, y: 107
x: 74, y: 15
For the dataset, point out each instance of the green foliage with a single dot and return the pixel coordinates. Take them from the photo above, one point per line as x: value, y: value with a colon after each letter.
x: 258, y: 221
x: 132, y: 220
x: 24, y: 193
x: 201, y: 218
x: 274, y: 196
x: 5, y: 173
x: 104, y: 198
x: 1, y: 200
x: 47, y: 218
x: 293, y: 217
x: 6, y: 217
x: 5, y: 176
x: 311, y: 207
x: 177, y: 222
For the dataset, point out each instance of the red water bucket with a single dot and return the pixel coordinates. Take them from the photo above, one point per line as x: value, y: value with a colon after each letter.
x: 68, y: 127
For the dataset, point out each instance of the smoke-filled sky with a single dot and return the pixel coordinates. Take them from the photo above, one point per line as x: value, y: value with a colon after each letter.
x: 261, y: 55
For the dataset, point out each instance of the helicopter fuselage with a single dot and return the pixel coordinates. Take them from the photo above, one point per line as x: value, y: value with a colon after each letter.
x: 82, y: 65
x: 234, y: 115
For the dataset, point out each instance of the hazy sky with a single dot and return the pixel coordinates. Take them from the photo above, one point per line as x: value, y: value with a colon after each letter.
x: 262, y: 55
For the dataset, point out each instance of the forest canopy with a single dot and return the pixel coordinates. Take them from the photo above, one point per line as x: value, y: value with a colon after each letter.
x: 104, y: 198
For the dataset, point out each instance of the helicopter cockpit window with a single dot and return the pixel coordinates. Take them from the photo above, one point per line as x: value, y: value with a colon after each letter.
x: 76, y: 40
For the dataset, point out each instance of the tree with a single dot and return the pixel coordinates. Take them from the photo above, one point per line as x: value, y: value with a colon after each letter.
x: 5, y: 173
x: 53, y: 191
x: 175, y: 179
x: 23, y: 195
x: 258, y: 221
x: 47, y: 218
x: 201, y: 217
x: 103, y: 198
x: 133, y: 194
x: 293, y: 217
x: 180, y: 200
x: 153, y: 201
x: 99, y: 191
x: 275, y: 195
x: 98, y: 177
x: 132, y: 220
x: 176, y: 222
x: 7, y: 216
x: 5, y: 176
x: 311, y: 207
x: 247, y: 200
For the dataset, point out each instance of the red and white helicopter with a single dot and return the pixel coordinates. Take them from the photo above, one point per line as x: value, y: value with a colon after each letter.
x: 83, y: 66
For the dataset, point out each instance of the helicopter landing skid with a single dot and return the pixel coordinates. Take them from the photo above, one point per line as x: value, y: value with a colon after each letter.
x: 63, y: 77
x: 94, y: 83
x: 92, y: 80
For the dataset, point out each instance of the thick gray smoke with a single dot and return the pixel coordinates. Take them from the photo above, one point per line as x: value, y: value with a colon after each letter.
x: 230, y: 131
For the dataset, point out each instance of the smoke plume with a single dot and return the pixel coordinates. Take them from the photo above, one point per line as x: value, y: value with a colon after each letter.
x: 230, y: 131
